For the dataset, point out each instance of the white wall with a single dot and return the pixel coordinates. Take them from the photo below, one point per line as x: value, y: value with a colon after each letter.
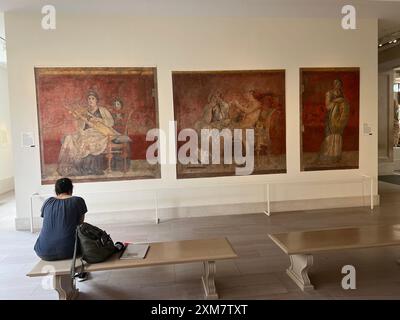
x: 6, y: 159
x: 2, y: 31
x: 6, y: 165
x: 3, y: 57
x: 194, y: 43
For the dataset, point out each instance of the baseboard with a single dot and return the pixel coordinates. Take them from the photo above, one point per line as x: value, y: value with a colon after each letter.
x: 149, y: 216
x: 6, y: 185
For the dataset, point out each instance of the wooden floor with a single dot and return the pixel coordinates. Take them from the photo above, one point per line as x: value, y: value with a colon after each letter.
x: 259, y: 273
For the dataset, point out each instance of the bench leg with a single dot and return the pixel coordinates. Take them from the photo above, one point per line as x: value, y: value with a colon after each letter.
x: 209, y: 280
x: 65, y: 287
x: 299, y: 265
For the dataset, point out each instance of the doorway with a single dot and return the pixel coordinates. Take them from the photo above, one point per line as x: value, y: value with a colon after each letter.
x: 389, y: 131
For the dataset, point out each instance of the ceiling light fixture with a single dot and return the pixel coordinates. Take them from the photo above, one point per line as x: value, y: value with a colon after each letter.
x: 389, y: 41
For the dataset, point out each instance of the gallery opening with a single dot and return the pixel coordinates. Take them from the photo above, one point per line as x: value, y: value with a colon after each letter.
x: 199, y: 150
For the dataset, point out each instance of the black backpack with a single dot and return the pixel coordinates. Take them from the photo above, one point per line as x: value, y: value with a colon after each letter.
x: 95, y: 245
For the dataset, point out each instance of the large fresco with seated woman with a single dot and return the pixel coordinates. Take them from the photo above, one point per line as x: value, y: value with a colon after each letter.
x: 93, y: 123
x: 330, y: 99
x: 229, y: 101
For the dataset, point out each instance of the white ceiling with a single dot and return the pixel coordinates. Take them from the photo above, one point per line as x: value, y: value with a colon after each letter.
x: 388, y: 11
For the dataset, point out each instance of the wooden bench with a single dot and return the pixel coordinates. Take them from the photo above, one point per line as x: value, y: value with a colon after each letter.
x: 301, y: 245
x: 161, y: 253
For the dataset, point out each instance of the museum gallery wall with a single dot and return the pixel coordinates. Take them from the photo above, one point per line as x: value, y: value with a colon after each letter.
x: 93, y: 123
x: 233, y: 100
x: 330, y: 110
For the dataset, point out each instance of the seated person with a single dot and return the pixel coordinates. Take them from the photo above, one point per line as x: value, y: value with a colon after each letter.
x: 61, y: 215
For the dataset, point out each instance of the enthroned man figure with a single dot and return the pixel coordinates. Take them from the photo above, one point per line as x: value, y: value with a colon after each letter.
x: 82, y: 152
x: 215, y: 116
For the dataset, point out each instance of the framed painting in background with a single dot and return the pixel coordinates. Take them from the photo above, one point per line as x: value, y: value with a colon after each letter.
x: 231, y: 100
x: 93, y: 123
x: 329, y: 115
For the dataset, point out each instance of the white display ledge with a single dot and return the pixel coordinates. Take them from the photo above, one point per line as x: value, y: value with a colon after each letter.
x: 361, y: 178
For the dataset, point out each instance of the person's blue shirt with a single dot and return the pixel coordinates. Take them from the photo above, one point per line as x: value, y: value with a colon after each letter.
x: 60, y: 219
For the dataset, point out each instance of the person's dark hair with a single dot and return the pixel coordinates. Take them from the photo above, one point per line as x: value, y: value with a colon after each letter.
x: 120, y: 102
x: 64, y: 185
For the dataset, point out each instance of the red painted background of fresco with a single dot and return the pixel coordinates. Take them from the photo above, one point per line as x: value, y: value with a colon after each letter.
x: 316, y: 84
x: 191, y: 91
x: 54, y: 92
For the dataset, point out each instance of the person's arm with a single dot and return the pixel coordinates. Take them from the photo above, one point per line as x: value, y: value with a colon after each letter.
x: 42, y: 209
x: 246, y: 110
x: 328, y: 100
x: 238, y: 106
x: 82, y: 211
x: 254, y: 108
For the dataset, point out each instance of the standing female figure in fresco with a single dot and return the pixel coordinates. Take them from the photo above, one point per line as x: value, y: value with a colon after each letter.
x: 337, y: 116
x: 396, y: 122
x: 82, y: 152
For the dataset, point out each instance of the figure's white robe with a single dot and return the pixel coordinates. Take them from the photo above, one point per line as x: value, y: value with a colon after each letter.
x: 83, y: 143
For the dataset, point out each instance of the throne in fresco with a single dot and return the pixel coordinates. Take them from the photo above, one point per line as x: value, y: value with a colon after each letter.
x: 117, y: 148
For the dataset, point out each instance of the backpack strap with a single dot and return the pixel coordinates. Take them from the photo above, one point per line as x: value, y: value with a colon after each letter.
x: 74, y: 257
x: 82, y: 266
